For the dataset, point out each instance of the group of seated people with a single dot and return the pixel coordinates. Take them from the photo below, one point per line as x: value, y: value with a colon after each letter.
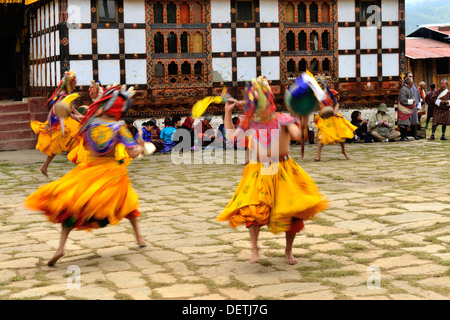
x: 174, y: 132
x: 380, y: 127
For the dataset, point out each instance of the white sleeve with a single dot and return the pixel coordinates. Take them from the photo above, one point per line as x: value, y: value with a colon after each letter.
x: 410, y: 101
x: 438, y: 102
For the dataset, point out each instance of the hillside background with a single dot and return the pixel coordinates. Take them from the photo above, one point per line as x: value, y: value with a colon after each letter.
x: 426, y: 12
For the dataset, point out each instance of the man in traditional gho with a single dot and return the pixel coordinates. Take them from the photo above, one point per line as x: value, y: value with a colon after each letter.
x: 97, y: 192
x: 406, y: 107
x: 415, y: 121
x: 441, y: 115
x: 55, y: 135
x: 430, y: 104
x: 422, y: 92
x: 274, y: 189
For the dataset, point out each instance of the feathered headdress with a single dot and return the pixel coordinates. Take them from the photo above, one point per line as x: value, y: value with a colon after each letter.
x: 67, y: 83
x: 258, y: 100
x: 115, y: 101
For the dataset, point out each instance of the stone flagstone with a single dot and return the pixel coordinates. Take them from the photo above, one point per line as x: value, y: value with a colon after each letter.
x: 387, y: 216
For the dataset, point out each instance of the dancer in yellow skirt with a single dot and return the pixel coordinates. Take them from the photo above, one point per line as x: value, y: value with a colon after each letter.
x: 333, y: 130
x: 55, y: 135
x: 79, y: 154
x: 274, y: 189
x: 96, y: 192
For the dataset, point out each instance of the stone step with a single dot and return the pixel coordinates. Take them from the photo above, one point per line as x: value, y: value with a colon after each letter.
x: 14, y: 117
x: 16, y: 135
x: 18, y: 144
x: 14, y: 108
x: 14, y: 126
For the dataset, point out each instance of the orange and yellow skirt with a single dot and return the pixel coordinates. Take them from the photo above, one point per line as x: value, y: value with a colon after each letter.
x: 334, y: 129
x: 280, y: 196
x: 92, y: 195
x: 55, y: 141
x: 79, y: 154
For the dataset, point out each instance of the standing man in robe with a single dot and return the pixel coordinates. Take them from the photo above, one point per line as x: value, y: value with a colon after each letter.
x: 441, y: 115
x: 406, y: 107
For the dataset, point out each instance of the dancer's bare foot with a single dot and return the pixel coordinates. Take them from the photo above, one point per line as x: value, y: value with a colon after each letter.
x: 44, y: 171
x: 290, y: 258
x: 255, y: 256
x: 346, y: 155
x: 317, y: 160
x: 141, y: 243
x: 55, y: 258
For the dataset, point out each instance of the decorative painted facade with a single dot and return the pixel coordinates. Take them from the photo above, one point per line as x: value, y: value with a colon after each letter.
x: 178, y: 51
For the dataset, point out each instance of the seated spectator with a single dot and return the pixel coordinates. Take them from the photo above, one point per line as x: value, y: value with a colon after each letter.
x: 204, y: 131
x: 381, y: 125
x: 167, y: 136
x: 176, y: 122
x: 146, y: 131
x: 361, y: 134
x: 182, y: 132
x: 129, y: 122
x: 221, y: 132
x: 150, y: 134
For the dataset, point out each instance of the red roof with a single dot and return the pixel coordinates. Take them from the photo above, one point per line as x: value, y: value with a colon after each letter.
x: 424, y: 48
x: 442, y: 29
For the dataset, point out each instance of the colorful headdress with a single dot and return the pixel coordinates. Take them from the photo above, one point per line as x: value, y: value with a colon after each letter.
x: 303, y: 96
x: 115, y: 101
x: 96, y: 90
x: 258, y: 100
x: 333, y: 94
x: 67, y: 83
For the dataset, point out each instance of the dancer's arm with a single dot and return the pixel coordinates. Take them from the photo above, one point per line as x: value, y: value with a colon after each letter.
x: 336, y: 107
x: 75, y: 114
x: 135, y: 151
x: 294, y: 131
x: 134, y: 147
x: 230, y: 131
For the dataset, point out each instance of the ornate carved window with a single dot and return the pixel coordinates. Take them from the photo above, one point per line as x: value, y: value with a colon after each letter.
x: 244, y: 11
x: 368, y: 8
x: 178, y: 53
x: 326, y: 40
x: 158, y: 14
x: 107, y: 11
x: 313, y: 14
x: 307, y: 27
x: 301, y: 12
x: 325, y: 12
x: 302, y: 40
x: 290, y: 40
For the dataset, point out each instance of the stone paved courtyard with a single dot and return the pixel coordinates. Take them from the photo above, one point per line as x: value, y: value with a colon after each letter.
x: 385, y: 236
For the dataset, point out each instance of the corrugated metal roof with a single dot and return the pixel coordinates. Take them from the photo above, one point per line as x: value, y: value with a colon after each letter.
x: 423, y: 48
x: 445, y: 29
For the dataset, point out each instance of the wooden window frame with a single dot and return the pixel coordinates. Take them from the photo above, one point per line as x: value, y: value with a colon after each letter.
x: 107, y: 21
x: 253, y: 11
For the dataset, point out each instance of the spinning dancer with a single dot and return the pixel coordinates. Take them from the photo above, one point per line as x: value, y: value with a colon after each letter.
x: 97, y: 192
x: 274, y: 189
x: 56, y: 134
x: 331, y: 126
x: 79, y: 153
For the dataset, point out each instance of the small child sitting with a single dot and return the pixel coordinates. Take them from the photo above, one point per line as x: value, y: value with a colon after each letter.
x: 167, y: 136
